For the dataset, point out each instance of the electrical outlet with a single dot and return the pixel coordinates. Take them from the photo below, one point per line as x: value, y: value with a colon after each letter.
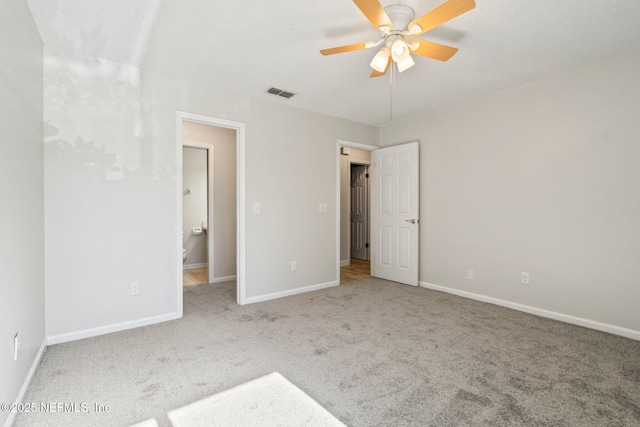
x: 135, y: 288
x: 469, y: 274
x: 294, y: 265
x: 525, y: 278
x: 16, y: 345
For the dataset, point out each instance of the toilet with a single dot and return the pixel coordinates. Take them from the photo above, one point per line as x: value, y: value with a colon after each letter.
x: 184, y: 251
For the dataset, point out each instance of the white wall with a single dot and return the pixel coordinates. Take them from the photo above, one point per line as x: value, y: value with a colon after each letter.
x: 223, y: 229
x: 194, y: 204
x: 111, y: 191
x: 542, y: 178
x: 355, y: 156
x: 21, y: 196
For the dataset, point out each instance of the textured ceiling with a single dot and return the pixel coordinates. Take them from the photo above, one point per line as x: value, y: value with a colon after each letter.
x: 248, y: 46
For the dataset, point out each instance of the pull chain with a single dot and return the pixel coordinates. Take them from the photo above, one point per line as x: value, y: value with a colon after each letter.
x: 392, y: 76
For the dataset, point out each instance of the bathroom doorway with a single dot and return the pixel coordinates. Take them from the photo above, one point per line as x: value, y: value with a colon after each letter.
x: 209, y: 203
x: 211, y: 189
x: 196, y: 179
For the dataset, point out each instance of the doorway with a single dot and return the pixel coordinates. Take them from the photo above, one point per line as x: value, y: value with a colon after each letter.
x: 197, y: 179
x: 225, y: 222
x: 394, y: 207
x: 353, y: 238
x: 359, y: 221
x: 209, y: 205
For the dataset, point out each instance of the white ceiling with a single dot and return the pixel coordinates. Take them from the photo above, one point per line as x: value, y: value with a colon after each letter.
x: 248, y: 46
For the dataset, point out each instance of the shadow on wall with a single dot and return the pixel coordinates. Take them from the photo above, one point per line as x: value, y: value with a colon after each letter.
x: 99, y: 115
x: 92, y: 37
x: 111, y: 219
x: 86, y: 160
x: 89, y: 96
x: 110, y: 195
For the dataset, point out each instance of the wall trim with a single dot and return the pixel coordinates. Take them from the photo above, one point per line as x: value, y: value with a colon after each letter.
x: 116, y: 327
x: 223, y: 279
x: 587, y: 323
x: 358, y: 145
x: 194, y: 266
x: 27, y: 381
x: 297, y: 291
x: 345, y: 263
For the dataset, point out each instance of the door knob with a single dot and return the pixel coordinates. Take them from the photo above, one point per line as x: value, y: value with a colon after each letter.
x: 412, y: 221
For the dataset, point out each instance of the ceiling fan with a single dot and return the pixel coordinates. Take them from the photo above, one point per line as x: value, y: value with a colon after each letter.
x: 399, y: 33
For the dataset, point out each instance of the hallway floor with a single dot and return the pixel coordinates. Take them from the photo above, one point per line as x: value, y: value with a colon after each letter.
x: 359, y: 269
x: 195, y: 276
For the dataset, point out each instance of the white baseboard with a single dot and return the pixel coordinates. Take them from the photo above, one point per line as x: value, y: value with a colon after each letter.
x: 27, y: 381
x: 194, y: 266
x: 592, y: 324
x: 345, y: 262
x: 94, y: 332
x: 223, y: 279
x: 291, y: 292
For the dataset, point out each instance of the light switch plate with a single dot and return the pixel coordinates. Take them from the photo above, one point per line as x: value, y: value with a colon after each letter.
x: 256, y: 208
x: 323, y: 207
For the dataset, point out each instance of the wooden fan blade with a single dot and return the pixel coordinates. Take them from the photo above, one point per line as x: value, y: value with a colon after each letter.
x: 349, y: 48
x: 441, y: 14
x: 376, y: 73
x: 435, y: 50
x: 374, y: 12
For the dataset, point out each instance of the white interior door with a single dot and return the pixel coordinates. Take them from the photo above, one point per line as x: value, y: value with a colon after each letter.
x: 359, y: 212
x: 395, y: 213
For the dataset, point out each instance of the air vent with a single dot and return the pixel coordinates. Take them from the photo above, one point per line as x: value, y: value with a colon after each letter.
x: 280, y: 92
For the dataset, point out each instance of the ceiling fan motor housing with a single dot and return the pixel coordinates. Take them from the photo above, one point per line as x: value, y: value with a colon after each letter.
x: 401, y: 15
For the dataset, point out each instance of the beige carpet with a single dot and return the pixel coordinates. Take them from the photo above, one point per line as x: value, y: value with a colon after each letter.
x: 371, y: 352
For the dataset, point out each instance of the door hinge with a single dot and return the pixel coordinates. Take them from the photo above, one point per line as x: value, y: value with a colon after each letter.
x: 367, y: 175
x: 366, y: 245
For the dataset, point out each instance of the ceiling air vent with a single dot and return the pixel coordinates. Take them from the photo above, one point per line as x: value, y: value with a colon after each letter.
x: 280, y: 92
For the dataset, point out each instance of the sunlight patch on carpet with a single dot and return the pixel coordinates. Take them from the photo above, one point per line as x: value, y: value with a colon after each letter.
x: 267, y: 401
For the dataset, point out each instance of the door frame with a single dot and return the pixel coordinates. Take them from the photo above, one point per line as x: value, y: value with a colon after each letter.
x: 240, y: 128
x: 210, y: 201
x: 339, y: 144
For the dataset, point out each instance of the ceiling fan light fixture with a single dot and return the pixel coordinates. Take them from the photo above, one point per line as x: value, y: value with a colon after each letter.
x: 379, y: 62
x: 399, y: 50
x: 413, y: 46
x: 399, y: 47
x: 405, y: 63
x: 415, y: 29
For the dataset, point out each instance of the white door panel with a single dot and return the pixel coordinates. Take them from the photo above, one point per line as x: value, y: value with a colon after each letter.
x: 395, y: 213
x: 359, y: 212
